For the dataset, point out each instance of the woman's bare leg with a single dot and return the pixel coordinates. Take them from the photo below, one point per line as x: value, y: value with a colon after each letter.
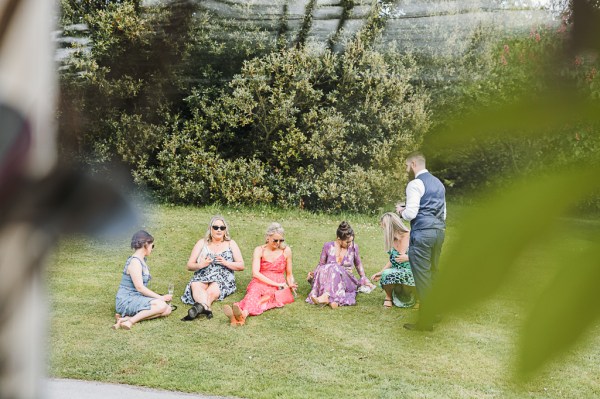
x: 388, y: 289
x: 199, y: 291
x: 212, y: 294
x: 158, y: 308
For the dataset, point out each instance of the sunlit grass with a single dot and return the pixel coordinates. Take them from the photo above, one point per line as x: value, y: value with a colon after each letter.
x: 300, y: 351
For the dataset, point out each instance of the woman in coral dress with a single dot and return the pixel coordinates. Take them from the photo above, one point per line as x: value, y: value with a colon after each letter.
x: 333, y: 282
x: 272, y: 279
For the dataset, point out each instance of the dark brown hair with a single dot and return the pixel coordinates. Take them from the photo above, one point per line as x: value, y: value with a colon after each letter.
x: 140, y: 239
x: 344, y: 231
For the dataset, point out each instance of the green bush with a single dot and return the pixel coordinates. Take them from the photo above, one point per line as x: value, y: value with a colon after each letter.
x: 334, y: 128
x: 203, y: 114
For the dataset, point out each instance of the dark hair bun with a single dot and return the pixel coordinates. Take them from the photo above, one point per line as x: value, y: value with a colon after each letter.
x: 344, y: 231
x: 140, y: 239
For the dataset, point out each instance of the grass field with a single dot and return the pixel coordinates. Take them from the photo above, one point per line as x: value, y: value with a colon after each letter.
x: 300, y: 351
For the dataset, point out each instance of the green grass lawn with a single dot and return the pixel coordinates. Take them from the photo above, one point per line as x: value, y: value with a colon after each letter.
x: 300, y: 351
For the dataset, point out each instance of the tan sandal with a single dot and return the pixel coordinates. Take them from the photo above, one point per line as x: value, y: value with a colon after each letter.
x: 238, y: 314
x: 229, y: 313
x: 387, y: 301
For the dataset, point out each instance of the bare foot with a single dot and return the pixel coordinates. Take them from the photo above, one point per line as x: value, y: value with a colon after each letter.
x: 333, y: 305
x: 126, y: 325
x: 320, y: 300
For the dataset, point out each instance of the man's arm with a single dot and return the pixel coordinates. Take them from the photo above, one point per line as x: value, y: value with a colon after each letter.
x: 415, y: 189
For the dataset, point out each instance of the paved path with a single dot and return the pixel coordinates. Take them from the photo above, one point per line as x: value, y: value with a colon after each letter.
x: 57, y: 388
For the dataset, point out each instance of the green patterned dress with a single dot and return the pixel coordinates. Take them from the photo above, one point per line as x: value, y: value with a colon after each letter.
x: 399, y: 273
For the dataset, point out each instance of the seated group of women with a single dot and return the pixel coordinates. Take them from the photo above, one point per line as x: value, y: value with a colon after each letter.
x: 216, y: 257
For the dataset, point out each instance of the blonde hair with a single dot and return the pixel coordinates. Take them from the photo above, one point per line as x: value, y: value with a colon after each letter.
x: 208, y: 236
x: 275, y: 228
x: 392, y: 225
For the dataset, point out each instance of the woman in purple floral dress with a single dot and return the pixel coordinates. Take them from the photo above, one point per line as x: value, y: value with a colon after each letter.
x: 333, y: 282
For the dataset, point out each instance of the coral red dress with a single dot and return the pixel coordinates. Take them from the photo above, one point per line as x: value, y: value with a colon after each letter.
x: 260, y: 296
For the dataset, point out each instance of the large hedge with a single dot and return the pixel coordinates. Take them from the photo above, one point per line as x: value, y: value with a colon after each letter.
x: 298, y: 125
x: 203, y: 110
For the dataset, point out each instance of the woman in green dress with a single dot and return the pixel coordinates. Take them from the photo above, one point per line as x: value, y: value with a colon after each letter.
x: 396, y: 278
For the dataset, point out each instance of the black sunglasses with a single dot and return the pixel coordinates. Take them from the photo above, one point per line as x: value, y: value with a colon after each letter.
x: 278, y: 241
x: 222, y: 228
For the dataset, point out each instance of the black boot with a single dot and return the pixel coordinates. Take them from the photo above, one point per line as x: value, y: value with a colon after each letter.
x: 194, y: 311
x: 207, y: 312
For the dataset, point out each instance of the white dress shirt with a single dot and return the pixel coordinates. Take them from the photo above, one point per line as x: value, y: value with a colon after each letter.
x: 415, y: 189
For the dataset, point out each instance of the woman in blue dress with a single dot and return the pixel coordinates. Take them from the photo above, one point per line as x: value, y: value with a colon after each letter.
x: 135, y: 301
x: 396, y: 277
x: 213, y: 260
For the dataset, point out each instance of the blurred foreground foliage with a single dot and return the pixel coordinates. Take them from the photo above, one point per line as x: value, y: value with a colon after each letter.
x: 534, y: 143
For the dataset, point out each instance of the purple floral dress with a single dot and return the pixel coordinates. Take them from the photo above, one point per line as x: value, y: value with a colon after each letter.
x: 337, y: 279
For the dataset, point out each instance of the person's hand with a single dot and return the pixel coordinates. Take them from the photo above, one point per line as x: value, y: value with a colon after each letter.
x: 167, y: 298
x: 376, y: 276
x: 207, y: 261
x: 398, y: 258
x: 293, y: 286
x: 400, y: 208
x: 310, y: 276
x: 221, y: 260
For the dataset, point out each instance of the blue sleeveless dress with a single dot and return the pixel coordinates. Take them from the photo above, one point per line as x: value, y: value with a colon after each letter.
x: 130, y: 301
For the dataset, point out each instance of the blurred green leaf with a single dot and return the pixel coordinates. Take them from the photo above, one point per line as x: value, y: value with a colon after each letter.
x: 527, y: 117
x: 566, y: 308
x: 494, y: 234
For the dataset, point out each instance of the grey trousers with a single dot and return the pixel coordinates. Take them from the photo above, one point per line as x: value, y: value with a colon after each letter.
x: 424, y: 257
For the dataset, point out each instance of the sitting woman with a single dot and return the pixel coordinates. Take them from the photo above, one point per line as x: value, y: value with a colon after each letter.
x: 396, y: 278
x: 272, y: 279
x: 333, y: 282
x: 135, y: 301
x: 213, y: 260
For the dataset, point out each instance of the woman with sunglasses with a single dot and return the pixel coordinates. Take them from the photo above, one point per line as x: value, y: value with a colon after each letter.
x: 213, y: 260
x: 333, y: 282
x: 272, y: 279
x: 135, y: 301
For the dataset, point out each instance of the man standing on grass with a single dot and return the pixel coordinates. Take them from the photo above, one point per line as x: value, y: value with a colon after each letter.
x: 426, y: 210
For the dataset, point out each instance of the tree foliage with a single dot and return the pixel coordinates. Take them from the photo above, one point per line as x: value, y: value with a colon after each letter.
x: 302, y: 125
